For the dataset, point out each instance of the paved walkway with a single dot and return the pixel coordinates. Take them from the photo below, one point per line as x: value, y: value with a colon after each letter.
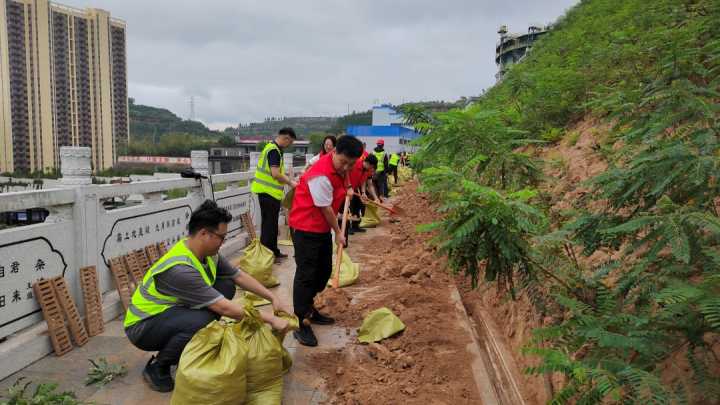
x: 302, y: 385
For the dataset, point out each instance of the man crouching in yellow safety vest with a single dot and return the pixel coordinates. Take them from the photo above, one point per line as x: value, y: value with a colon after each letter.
x: 186, y: 289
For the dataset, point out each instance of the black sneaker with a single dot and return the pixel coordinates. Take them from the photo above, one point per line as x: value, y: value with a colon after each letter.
x: 158, y: 377
x: 320, y: 319
x: 358, y: 229
x: 305, y: 335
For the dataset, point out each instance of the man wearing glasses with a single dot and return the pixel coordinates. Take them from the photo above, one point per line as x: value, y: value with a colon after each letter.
x: 186, y: 289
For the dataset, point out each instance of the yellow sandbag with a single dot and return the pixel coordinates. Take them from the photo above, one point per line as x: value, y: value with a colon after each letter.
x: 378, y: 325
x: 212, y: 367
x: 255, y: 300
x: 267, y: 359
x: 404, y: 174
x: 371, y: 219
x: 293, y: 324
x: 349, y: 271
x: 288, y: 199
x: 257, y: 261
x: 285, y: 242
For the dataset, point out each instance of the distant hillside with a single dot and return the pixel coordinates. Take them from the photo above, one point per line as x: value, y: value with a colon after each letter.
x: 302, y: 125
x: 365, y: 117
x: 356, y: 118
x: 151, y: 123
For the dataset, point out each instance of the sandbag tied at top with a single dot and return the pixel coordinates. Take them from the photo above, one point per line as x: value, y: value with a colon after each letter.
x: 257, y: 261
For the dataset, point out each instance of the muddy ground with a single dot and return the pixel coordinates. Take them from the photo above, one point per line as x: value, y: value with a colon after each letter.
x: 428, y: 363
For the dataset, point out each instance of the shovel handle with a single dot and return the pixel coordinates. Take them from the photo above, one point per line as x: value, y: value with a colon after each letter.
x: 338, y: 260
x: 377, y: 204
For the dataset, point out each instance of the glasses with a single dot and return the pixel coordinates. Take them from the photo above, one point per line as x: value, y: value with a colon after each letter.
x: 222, y: 236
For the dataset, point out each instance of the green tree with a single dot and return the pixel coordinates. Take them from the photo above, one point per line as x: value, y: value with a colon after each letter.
x: 226, y: 140
x: 652, y: 68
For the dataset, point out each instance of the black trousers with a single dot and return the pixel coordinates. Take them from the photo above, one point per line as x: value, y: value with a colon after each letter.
x: 313, y: 261
x: 380, y: 181
x: 269, y: 215
x: 168, y: 332
x: 394, y: 171
x: 357, y: 208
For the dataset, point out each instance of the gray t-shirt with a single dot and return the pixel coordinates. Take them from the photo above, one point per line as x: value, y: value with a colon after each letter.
x: 185, y: 283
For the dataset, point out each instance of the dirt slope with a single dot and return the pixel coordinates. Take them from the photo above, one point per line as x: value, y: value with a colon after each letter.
x: 426, y: 364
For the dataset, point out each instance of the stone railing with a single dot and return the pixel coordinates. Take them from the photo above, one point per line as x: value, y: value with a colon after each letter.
x: 86, y: 227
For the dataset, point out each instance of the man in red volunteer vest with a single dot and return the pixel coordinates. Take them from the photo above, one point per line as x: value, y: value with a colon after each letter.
x: 318, y: 197
x: 363, y: 171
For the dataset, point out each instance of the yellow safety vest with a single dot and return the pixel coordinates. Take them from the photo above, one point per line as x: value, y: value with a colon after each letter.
x: 147, y: 301
x: 381, y: 161
x: 264, y: 182
x: 394, y: 159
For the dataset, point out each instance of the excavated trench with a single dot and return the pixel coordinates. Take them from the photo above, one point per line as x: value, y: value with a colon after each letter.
x: 451, y: 351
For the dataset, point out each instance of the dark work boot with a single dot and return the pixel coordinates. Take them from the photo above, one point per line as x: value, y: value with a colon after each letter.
x: 356, y: 227
x: 158, y: 377
x: 305, y: 335
x: 320, y: 319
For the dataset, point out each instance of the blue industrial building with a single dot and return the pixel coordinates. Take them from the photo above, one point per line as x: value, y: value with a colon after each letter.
x: 387, y: 124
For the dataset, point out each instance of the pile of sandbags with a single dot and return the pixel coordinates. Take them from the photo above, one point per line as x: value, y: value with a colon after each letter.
x: 234, y: 363
x: 404, y: 174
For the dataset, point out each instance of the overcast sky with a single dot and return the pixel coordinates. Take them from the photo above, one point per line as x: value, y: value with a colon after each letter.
x: 244, y: 60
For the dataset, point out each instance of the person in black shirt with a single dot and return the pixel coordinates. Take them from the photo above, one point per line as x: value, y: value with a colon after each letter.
x: 270, y: 204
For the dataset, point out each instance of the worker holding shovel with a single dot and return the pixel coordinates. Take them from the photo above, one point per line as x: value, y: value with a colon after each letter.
x: 318, y: 196
x: 361, y: 182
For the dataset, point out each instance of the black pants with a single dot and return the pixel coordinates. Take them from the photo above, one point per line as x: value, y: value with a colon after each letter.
x: 356, y: 209
x: 313, y: 261
x: 269, y: 214
x: 394, y: 171
x: 380, y: 181
x: 168, y: 332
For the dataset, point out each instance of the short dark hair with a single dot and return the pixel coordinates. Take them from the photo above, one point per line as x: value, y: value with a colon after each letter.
x: 287, y: 131
x: 349, y: 146
x: 372, y: 160
x: 208, y: 216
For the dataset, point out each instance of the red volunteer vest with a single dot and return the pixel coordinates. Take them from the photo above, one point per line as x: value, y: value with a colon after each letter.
x: 304, y: 215
x: 358, y: 174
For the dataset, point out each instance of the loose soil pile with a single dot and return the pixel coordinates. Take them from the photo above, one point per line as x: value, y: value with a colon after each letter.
x: 426, y: 364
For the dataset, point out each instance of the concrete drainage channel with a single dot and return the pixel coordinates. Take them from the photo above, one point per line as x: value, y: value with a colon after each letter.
x: 493, y: 363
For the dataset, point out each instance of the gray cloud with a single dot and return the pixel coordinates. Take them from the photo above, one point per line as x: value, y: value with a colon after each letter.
x: 245, y: 60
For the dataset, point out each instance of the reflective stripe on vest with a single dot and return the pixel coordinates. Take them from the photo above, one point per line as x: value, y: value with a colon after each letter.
x: 264, y: 182
x: 381, y: 161
x: 147, y: 301
x: 394, y: 159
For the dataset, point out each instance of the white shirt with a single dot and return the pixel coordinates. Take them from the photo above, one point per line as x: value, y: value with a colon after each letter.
x: 314, y: 160
x: 321, y: 191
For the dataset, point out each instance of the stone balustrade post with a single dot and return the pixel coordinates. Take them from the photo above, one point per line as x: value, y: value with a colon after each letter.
x: 254, y: 159
x: 288, y: 162
x: 75, y: 166
x: 199, y: 161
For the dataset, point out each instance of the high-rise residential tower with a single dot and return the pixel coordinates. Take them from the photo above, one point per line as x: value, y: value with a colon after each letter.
x: 63, y: 82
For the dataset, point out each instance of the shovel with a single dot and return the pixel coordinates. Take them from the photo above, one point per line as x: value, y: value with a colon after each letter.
x: 395, y: 210
x: 346, y: 212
